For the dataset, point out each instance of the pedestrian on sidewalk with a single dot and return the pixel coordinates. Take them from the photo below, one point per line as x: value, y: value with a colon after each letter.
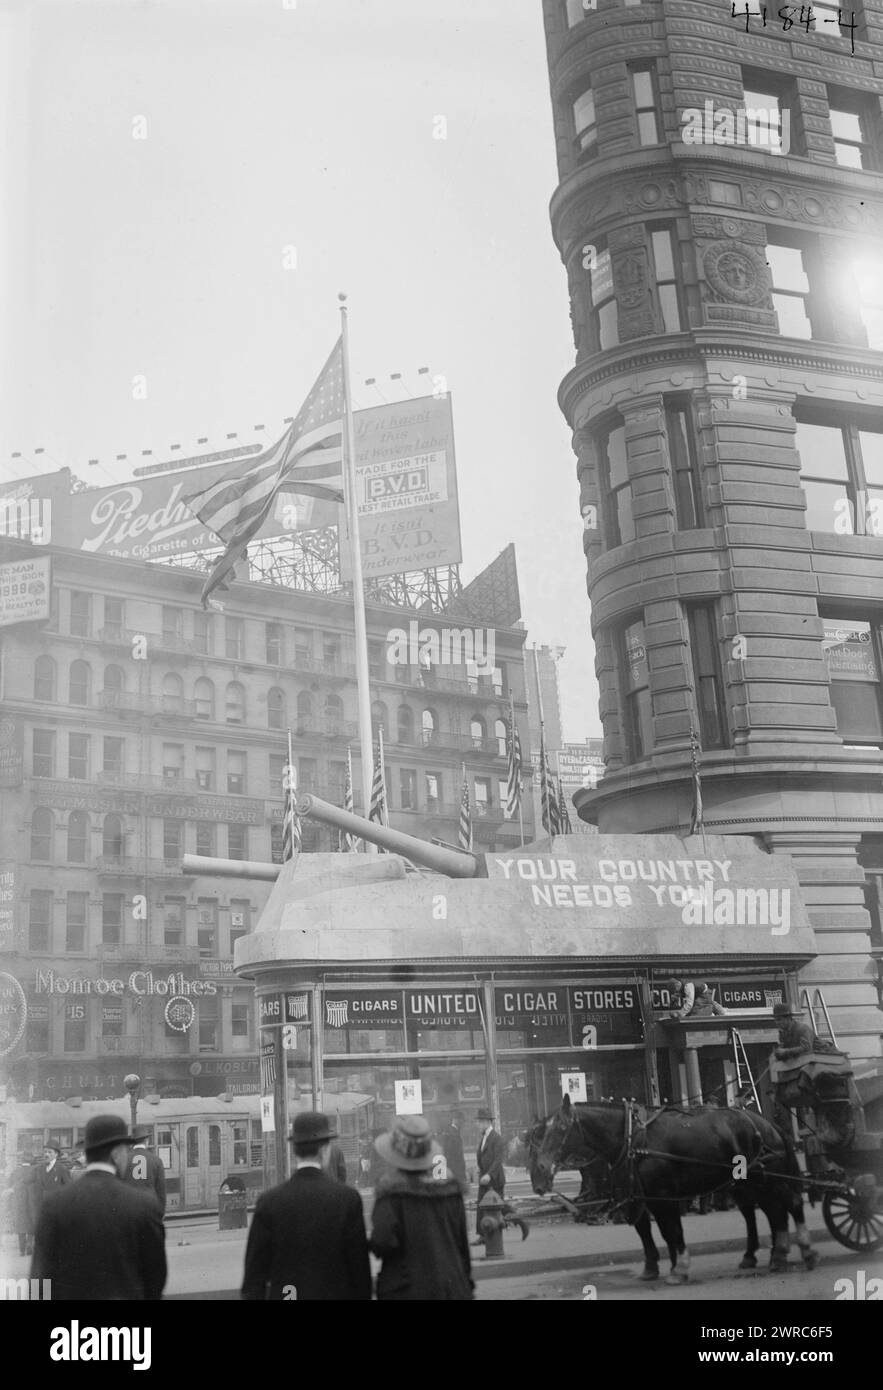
x: 145, y: 1169
x: 307, y: 1239
x: 419, y: 1220
x: 24, y: 1204
x: 98, y: 1239
x: 489, y: 1159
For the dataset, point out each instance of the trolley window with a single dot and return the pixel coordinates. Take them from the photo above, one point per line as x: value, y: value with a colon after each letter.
x: 192, y: 1147
x: 214, y: 1146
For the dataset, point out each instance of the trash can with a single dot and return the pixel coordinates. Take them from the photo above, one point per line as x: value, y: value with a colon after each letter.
x: 232, y: 1210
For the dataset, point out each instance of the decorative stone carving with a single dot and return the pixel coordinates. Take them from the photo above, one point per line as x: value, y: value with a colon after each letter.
x: 735, y: 273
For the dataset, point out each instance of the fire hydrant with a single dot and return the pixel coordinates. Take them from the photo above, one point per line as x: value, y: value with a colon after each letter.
x: 495, y: 1216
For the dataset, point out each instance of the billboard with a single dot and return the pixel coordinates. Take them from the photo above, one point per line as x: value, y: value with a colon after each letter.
x: 405, y: 480
x: 24, y: 591
x: 406, y: 483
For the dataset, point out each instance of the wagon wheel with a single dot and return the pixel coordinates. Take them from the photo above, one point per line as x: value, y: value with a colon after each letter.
x: 852, y: 1220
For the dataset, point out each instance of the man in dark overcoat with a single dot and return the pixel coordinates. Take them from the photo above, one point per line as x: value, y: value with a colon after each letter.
x: 99, y: 1239
x: 145, y: 1170
x: 307, y: 1238
x: 451, y: 1141
x: 50, y: 1175
x: 489, y: 1160
x: 24, y: 1203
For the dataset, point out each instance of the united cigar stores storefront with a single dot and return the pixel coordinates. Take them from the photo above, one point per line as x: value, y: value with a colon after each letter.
x: 543, y: 1028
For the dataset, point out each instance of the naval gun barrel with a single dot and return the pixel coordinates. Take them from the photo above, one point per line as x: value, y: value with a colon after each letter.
x: 453, y: 863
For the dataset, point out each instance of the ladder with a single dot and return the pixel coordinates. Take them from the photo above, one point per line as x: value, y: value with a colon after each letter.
x: 744, y: 1077
x: 811, y: 1005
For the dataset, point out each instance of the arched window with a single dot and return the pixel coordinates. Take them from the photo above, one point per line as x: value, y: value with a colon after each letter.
x: 114, y: 679
x: 80, y: 682
x: 405, y: 724
x: 204, y: 695
x: 112, y: 837
x: 429, y: 721
x: 379, y: 718
x: 276, y: 708
x: 333, y: 714
x: 501, y: 734
x: 235, y: 703
x: 42, y: 833
x: 44, y: 678
x: 304, y: 709
x: 77, y: 837
x: 477, y: 730
x: 172, y: 693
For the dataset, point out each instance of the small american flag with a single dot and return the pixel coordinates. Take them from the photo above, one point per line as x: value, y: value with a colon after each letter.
x: 548, y: 797
x: 378, y: 810
x: 291, y: 838
x: 564, y: 825
x: 465, y: 832
x: 513, y: 778
x: 347, y: 841
x: 695, y: 760
x: 307, y: 459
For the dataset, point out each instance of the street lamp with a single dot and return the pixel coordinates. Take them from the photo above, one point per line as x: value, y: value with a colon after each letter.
x: 132, y: 1084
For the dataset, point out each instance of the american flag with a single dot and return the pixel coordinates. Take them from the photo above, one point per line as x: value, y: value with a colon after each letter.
x: 465, y: 831
x: 548, y: 797
x: 513, y: 779
x: 291, y: 839
x: 378, y: 786
x: 307, y: 459
x: 347, y: 841
x: 564, y: 825
x: 695, y: 759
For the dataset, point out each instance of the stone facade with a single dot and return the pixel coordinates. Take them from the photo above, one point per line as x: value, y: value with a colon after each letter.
x: 723, y: 552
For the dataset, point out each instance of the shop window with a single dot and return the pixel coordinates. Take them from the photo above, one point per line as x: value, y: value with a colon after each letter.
x: 852, y: 650
x: 78, y: 756
x: 77, y: 837
x: 635, y: 685
x: 43, y: 757
x: 111, y: 1022
x: 37, y: 1029
x: 707, y: 681
x: 44, y: 678
x: 42, y: 834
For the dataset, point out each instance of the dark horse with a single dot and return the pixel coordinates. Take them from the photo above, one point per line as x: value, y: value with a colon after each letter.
x: 658, y: 1162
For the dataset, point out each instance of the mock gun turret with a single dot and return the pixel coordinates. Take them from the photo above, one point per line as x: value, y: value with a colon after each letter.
x: 453, y: 863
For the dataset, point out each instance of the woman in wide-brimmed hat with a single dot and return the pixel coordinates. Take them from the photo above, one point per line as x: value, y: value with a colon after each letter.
x: 419, y: 1220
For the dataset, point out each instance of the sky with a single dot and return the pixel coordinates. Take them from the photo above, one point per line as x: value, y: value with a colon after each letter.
x: 193, y: 182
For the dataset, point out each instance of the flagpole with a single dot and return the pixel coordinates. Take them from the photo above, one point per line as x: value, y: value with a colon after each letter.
x: 536, y: 672
x: 352, y: 509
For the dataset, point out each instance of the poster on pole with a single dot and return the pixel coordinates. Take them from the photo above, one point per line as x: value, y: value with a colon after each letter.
x: 573, y: 1084
x: 268, y: 1115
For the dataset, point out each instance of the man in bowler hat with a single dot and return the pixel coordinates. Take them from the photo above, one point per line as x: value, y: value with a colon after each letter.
x: 489, y: 1159
x: 145, y: 1170
x: 99, y: 1238
x: 307, y: 1238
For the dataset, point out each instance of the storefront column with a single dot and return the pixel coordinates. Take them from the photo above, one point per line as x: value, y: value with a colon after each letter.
x: 694, y: 1078
x: 317, y: 1049
x: 490, y: 1043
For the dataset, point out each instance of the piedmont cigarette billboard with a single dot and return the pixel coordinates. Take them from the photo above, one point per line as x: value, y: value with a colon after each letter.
x: 405, y: 479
